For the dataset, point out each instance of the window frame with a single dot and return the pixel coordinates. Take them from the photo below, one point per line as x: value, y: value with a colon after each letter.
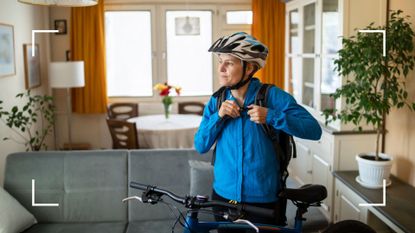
x: 154, y: 68
x: 239, y: 7
x: 163, y: 30
x: 159, y: 44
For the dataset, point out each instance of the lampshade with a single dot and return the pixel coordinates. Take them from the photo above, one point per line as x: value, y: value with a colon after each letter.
x: 69, y: 3
x: 66, y: 74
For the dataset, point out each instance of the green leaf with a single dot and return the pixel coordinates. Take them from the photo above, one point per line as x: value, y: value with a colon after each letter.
x: 373, y: 85
x: 36, y: 109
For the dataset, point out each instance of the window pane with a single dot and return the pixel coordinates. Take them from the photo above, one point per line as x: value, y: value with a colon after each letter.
x: 239, y: 17
x: 128, y: 53
x: 189, y: 64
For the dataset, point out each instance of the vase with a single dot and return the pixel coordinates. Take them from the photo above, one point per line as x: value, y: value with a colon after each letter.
x: 167, y: 110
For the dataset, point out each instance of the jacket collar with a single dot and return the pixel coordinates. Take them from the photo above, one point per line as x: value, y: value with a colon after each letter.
x: 253, y: 87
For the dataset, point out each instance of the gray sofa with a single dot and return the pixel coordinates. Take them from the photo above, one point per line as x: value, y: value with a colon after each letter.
x: 89, y: 187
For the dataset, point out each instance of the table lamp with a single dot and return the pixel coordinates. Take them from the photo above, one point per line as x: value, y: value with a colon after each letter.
x: 67, y: 75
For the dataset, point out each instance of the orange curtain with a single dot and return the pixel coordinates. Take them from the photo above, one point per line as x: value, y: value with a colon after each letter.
x: 88, y: 45
x: 268, y: 26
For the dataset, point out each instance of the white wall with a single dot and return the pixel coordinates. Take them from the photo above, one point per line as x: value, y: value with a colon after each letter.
x: 24, y: 18
x: 400, y: 139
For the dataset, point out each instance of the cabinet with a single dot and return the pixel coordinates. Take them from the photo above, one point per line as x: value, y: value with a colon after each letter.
x: 335, y: 151
x: 313, y: 37
x: 347, y: 204
x: 386, y: 219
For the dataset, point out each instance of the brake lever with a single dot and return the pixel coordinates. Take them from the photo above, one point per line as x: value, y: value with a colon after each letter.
x: 248, y: 223
x: 132, y: 198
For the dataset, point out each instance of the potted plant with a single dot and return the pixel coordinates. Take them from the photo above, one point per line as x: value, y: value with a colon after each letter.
x: 23, y: 121
x: 374, y: 85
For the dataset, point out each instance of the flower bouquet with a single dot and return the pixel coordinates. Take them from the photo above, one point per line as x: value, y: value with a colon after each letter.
x: 164, y: 91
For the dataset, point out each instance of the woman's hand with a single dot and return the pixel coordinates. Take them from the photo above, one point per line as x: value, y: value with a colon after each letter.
x: 230, y: 108
x: 258, y: 114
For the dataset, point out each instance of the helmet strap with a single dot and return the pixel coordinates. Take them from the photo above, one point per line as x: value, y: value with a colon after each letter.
x: 241, y: 82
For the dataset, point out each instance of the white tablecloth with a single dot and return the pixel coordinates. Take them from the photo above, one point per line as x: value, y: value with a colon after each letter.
x: 155, y: 131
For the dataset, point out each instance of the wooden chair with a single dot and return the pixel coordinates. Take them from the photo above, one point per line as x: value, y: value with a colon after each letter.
x: 122, y: 111
x: 191, y: 108
x: 123, y: 134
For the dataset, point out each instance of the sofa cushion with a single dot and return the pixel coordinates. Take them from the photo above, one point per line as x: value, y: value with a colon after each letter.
x: 201, y: 178
x: 87, y: 185
x: 13, y: 216
x: 167, y: 169
x: 105, y: 227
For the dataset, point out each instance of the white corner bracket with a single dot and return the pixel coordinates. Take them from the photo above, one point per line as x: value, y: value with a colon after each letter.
x: 378, y: 204
x: 40, y: 204
x: 33, y: 37
x: 384, y: 38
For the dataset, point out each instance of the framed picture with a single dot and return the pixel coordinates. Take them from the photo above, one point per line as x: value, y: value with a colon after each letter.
x: 60, y: 25
x: 31, y: 66
x: 7, y: 64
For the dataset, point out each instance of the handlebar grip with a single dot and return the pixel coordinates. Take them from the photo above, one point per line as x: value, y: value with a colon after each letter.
x: 267, y: 213
x: 158, y: 191
x: 139, y: 186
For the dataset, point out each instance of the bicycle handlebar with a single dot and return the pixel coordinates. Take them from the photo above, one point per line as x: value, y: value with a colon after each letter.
x: 157, y: 190
x: 189, y: 201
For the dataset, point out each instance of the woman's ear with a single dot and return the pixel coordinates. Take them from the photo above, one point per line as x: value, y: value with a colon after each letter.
x: 251, y: 68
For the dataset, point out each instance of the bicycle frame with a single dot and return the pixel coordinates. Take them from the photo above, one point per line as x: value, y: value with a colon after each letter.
x: 194, y: 225
x: 153, y: 195
x: 313, y: 197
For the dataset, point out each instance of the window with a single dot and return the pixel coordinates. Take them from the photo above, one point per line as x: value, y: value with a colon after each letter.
x: 148, y: 44
x: 129, y: 63
x: 189, y: 64
x: 239, y: 17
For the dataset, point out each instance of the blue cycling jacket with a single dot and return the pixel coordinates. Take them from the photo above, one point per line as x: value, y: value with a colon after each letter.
x: 246, y: 164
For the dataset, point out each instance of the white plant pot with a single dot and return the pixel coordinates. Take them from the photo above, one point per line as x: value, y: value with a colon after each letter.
x: 372, y: 172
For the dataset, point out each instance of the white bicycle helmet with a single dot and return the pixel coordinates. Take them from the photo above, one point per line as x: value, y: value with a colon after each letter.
x: 242, y: 46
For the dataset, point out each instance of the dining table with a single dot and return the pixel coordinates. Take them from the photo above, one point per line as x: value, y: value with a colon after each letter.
x: 157, y: 131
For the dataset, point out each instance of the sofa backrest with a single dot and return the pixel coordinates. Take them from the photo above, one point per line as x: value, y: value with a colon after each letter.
x: 88, y: 185
x: 168, y: 169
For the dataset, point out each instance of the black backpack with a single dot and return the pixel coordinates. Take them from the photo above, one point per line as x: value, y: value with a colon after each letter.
x: 284, y: 143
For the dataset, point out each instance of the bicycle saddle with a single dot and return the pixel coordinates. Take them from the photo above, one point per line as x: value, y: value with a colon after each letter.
x: 309, y: 193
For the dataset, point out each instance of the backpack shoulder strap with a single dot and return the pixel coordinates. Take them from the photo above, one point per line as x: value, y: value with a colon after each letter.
x: 261, y: 99
x: 262, y: 95
x: 284, y: 143
x: 220, y: 96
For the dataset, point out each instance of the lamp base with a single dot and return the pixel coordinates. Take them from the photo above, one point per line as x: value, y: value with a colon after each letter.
x: 76, y: 146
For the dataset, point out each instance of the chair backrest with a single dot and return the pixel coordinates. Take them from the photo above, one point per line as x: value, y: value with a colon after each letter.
x: 191, y: 108
x: 123, y: 134
x: 122, y: 111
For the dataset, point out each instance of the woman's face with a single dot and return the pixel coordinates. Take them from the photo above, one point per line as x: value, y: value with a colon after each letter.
x: 229, y: 70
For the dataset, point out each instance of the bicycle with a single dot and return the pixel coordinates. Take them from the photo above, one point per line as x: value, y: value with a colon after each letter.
x: 303, y: 197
